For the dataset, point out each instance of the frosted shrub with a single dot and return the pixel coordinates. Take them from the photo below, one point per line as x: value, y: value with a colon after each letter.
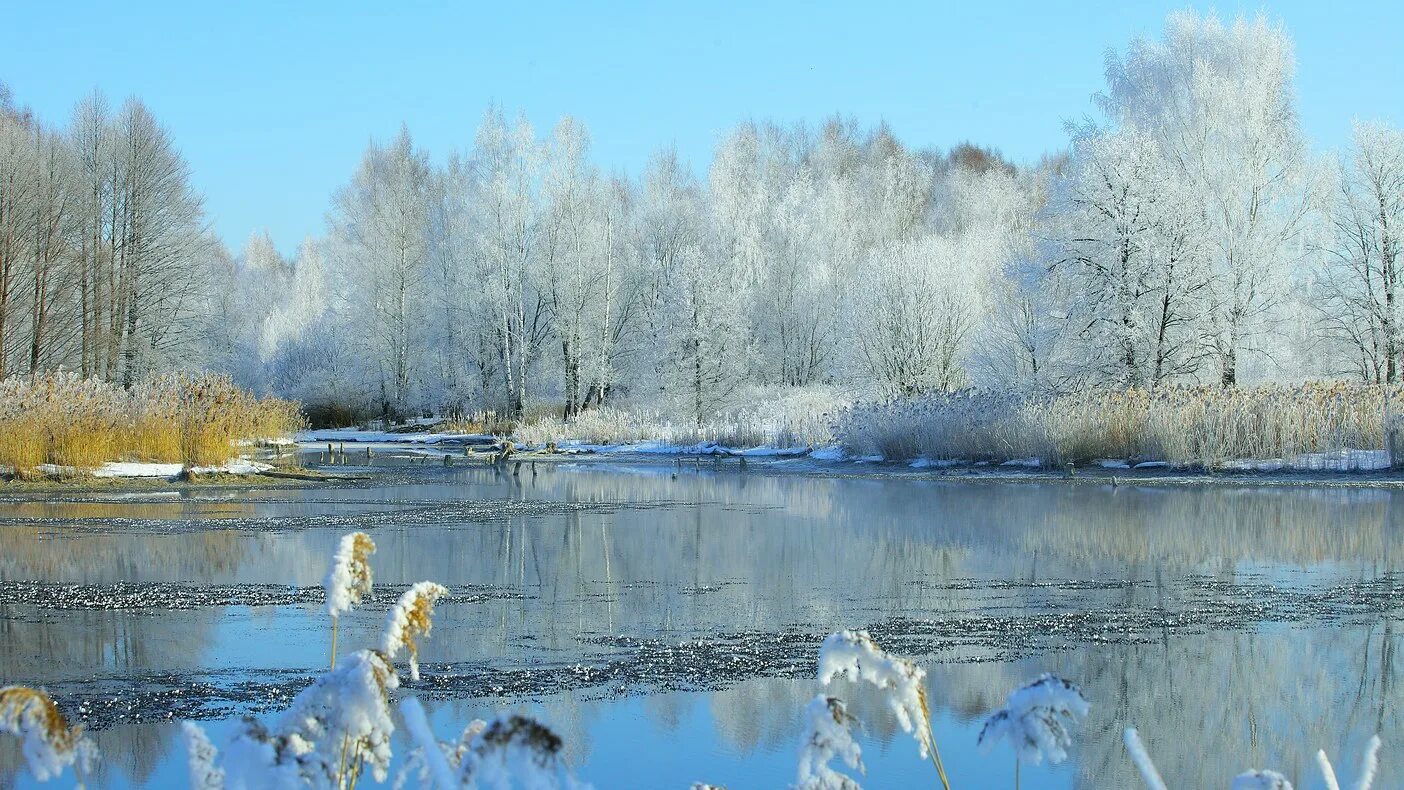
x: 792, y: 418
x: 1037, y: 719
x: 963, y: 425
x: 200, y: 759
x: 48, y: 743
x: 510, y: 751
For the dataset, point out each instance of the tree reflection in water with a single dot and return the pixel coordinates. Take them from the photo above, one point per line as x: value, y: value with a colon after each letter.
x: 1234, y: 626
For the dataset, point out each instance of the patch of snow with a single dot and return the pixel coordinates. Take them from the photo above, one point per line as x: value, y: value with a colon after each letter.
x: 1112, y: 463
x: 939, y: 463
x: 830, y: 453
x: 1031, y: 463
x: 1151, y: 465
x: 238, y: 466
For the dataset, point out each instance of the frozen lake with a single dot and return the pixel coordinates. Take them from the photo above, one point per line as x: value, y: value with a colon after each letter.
x: 666, y: 624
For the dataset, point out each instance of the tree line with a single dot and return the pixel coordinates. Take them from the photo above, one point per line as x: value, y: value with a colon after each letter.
x: 103, y: 246
x: 1186, y: 234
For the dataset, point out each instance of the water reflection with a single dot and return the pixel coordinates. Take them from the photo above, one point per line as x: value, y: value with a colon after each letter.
x: 1234, y: 627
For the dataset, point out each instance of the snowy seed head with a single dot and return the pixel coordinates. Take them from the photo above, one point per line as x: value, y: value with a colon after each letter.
x: 350, y: 578
x: 409, y: 620
x: 49, y: 743
x: 1037, y: 719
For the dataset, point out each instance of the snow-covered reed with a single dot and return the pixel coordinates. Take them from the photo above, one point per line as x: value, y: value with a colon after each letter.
x: 1369, y: 764
x: 77, y: 423
x: 855, y: 656
x: 1258, y: 779
x: 410, y: 619
x: 349, y: 579
x: 828, y: 735
x: 1202, y: 426
x: 510, y: 751
x: 1037, y: 720
x: 332, y: 732
x: 49, y: 744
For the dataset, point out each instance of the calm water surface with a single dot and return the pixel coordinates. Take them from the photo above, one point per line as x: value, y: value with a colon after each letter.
x: 666, y: 625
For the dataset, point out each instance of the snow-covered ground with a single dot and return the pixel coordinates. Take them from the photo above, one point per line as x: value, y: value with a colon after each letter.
x: 428, y: 443
x: 389, y: 437
x: 238, y: 466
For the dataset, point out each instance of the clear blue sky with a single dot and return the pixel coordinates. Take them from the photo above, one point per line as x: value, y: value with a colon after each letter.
x: 274, y: 102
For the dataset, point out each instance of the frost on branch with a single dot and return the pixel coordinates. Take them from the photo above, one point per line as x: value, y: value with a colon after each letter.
x: 48, y: 743
x: 828, y: 735
x: 350, y: 577
x: 1142, y: 759
x: 1036, y: 720
x: 1369, y: 764
x: 409, y: 620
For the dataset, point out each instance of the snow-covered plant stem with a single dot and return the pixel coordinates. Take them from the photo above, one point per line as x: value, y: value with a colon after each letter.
x: 1368, y: 766
x: 1142, y: 760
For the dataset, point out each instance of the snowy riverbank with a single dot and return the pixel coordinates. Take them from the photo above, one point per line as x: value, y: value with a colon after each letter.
x: 428, y: 443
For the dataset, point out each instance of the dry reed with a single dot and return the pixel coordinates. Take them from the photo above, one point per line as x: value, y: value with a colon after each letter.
x: 1202, y: 426
x: 79, y: 424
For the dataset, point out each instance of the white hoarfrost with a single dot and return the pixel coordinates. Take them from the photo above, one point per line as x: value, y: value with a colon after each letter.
x: 827, y: 736
x: 1036, y: 720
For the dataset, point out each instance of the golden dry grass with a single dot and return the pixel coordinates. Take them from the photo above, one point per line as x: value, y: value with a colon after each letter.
x: 194, y: 419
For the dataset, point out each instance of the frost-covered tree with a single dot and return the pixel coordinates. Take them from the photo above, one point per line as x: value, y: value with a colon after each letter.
x: 380, y: 239
x: 1220, y: 101
x: 914, y: 314
x: 1360, y: 283
x: 506, y: 164
x: 1130, y: 258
